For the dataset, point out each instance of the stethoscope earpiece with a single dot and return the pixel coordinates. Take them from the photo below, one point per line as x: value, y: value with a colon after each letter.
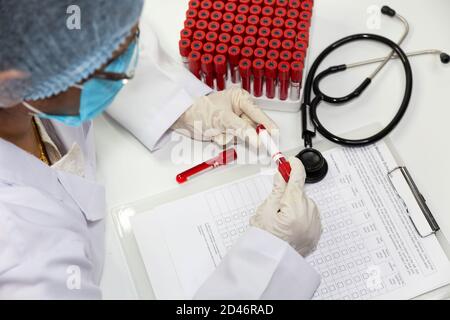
x: 316, y: 166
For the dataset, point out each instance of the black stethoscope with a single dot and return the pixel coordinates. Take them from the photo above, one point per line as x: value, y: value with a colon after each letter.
x: 315, y: 164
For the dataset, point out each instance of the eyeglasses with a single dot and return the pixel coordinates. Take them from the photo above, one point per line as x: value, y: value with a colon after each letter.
x: 128, y: 74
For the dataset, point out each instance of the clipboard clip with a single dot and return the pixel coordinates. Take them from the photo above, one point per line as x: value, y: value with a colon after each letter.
x: 419, y: 199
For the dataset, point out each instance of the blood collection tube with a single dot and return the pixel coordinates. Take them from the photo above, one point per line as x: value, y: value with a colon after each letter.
x: 226, y: 27
x: 243, y: 9
x: 278, y: 22
x: 185, y: 49
x: 245, y: 69
x: 251, y: 31
x: 225, y: 38
x: 303, y: 26
x: 307, y: 5
x: 265, y: 22
x: 189, y: 23
x: 290, y: 34
x: 253, y: 20
x: 199, y: 35
x: 201, y: 25
x: 270, y: 72
x: 282, y: 3
x: 206, y: 4
x: 203, y: 14
x: 298, y: 56
x: 231, y: 7
x: 194, y: 4
x: 197, y: 46
x: 258, y: 76
x: 296, y: 80
x: 301, y: 45
x: 273, y: 54
x: 228, y: 17
x: 277, y: 33
x: 250, y: 42
x: 191, y: 13
x: 239, y: 30
x: 280, y: 12
x: 284, y: 168
x: 270, y: 3
x: 222, y: 49
x: 207, y: 66
x: 209, y: 47
x: 264, y: 32
x: 262, y: 43
x: 186, y: 33
x: 275, y: 44
x: 290, y: 24
x: 283, y: 77
x: 240, y: 19
x: 303, y: 36
x: 305, y: 16
x: 219, y: 6
x: 234, y: 55
x: 294, y: 4
x: 237, y: 40
x: 214, y: 26
x: 286, y: 55
x: 255, y: 10
x: 287, y: 45
x: 257, y: 2
x: 293, y: 14
x: 220, y: 66
x: 260, y: 53
x: 267, y: 11
x: 195, y: 63
x: 212, y: 37
x: 247, y: 53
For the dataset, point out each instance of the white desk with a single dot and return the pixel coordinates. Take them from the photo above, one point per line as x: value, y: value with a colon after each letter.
x: 130, y: 172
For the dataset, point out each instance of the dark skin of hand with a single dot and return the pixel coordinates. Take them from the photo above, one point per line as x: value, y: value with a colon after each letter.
x: 16, y: 125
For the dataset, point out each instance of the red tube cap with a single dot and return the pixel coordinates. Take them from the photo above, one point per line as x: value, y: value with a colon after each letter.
x: 260, y: 53
x: 224, y: 38
x: 209, y: 47
x: 239, y: 29
x: 253, y: 20
x: 220, y: 64
x: 262, y: 43
x: 186, y: 33
x: 245, y: 67
x: 247, y: 52
x: 234, y: 54
x: 185, y: 47
x: 222, y: 49
x: 273, y: 55
x: 258, y: 68
x: 237, y: 40
x: 271, y: 69
x: 284, y: 70
x: 212, y: 37
x: 197, y: 46
x: 207, y: 63
x: 296, y: 71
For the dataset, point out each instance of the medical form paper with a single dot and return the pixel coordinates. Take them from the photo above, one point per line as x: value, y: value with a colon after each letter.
x: 369, y: 248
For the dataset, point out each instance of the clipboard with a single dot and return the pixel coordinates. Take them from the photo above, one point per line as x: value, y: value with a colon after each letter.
x: 424, y: 223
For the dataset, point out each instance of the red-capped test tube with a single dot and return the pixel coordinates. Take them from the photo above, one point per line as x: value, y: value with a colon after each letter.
x: 271, y: 70
x: 234, y: 55
x: 258, y: 76
x: 223, y: 158
x: 296, y: 80
x: 283, y: 77
x: 245, y: 69
x: 284, y: 168
x: 208, y: 69
x: 195, y: 63
x: 220, y: 66
x: 185, y: 49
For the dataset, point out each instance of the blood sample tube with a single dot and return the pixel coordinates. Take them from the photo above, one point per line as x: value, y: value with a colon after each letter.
x: 243, y: 9
x: 250, y: 42
x: 207, y: 65
x: 305, y: 16
x: 212, y: 37
x: 247, y: 53
x: 273, y: 54
x: 303, y: 36
x: 201, y: 25
x: 234, y: 55
x: 270, y: 72
x: 298, y: 56
x: 231, y: 7
x: 258, y: 76
x: 237, y: 41
x: 195, y: 63
x: 226, y: 27
x: 251, y: 31
x: 240, y: 19
x: 203, y: 14
x: 186, y: 33
x: 270, y: 3
x: 294, y: 4
x: 264, y: 32
x: 225, y: 38
x: 222, y: 49
x: 265, y: 22
x: 290, y: 34
x: 219, y: 6
x: 220, y: 66
x: 185, y: 49
x: 267, y: 11
x: 296, y: 80
x: 214, y: 26
x: 303, y: 26
x: 307, y: 5
x: 194, y: 4
x: 253, y: 20
x: 293, y: 14
x: 282, y: 3
x: 283, y: 77
x: 206, y: 4
x: 277, y: 33
x: 260, y: 53
x: 209, y: 47
x: 199, y: 35
x: 280, y: 12
x: 286, y: 55
x: 191, y: 13
x: 278, y: 22
x: 216, y: 16
x: 301, y: 45
x: 257, y: 2
x: 255, y: 10
x: 239, y: 30
x: 245, y: 69
x: 290, y: 24
x: 189, y: 23
x: 228, y: 17
x: 262, y: 43
x: 197, y: 46
x: 275, y: 44
x: 287, y: 45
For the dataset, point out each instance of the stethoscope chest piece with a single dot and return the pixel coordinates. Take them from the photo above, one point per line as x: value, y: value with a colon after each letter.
x: 316, y: 166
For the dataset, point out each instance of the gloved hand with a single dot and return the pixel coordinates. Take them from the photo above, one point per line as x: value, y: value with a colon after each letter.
x: 223, y: 115
x: 289, y: 214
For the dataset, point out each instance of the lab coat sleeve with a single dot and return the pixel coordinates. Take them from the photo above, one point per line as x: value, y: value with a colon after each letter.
x: 261, y: 266
x: 161, y: 91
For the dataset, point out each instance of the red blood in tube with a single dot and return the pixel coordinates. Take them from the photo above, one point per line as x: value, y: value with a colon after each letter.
x: 195, y: 63
x: 271, y: 70
x: 290, y: 34
x: 290, y: 24
x: 237, y: 41
x: 294, y: 4
x: 305, y: 15
x: 231, y: 7
x: 241, y: 19
x: 293, y: 14
x: 209, y: 47
x: 191, y: 13
x: 222, y: 49
x: 307, y: 5
x: 243, y: 9
x: 287, y: 45
x: 303, y: 36
x: 253, y: 20
x: 206, y: 4
x: 282, y: 3
x: 298, y: 55
x: 285, y: 55
x: 219, y: 6
x: 197, y: 46
x: 226, y: 27
x: 186, y: 33
x: 256, y: 10
x: 264, y: 32
x: 225, y: 38
x: 194, y: 4
x: 260, y: 53
x: 212, y: 37
x: 303, y: 26
x: 247, y: 53
x: 199, y: 35
x: 258, y: 74
x: 234, y: 55
x: 267, y: 11
x: 245, y: 70
x: 273, y: 54
x: 220, y: 66
x: 277, y: 33
x: 275, y: 44
x: 207, y: 65
x: 278, y: 22
x: 228, y: 17
x: 204, y: 14
x: 201, y: 25
x: 185, y: 47
x: 216, y: 16
x: 239, y: 29
x: 281, y: 12
x: 301, y: 45
x: 283, y: 77
x: 262, y: 42
x: 214, y: 26
x: 189, y: 23
x: 265, y: 22
x: 250, y: 41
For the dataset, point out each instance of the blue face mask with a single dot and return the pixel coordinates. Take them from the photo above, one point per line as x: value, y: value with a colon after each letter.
x: 97, y: 94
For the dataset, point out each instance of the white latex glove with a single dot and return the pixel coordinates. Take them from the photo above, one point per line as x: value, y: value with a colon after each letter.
x: 221, y: 116
x: 289, y: 214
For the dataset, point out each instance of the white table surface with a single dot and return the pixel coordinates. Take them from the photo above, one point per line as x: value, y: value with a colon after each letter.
x: 130, y: 172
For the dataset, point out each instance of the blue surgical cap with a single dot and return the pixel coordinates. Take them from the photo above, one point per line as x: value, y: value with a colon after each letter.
x: 58, y: 43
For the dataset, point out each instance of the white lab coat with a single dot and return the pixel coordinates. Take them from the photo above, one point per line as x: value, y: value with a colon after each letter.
x: 51, y: 222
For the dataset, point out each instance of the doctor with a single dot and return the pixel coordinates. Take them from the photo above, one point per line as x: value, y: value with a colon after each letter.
x: 52, y: 210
